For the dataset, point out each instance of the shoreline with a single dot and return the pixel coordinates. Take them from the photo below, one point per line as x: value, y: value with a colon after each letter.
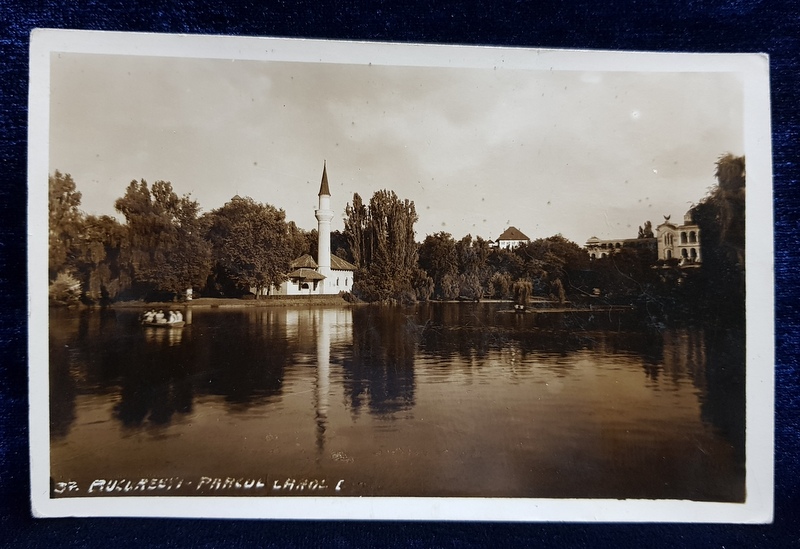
x: 299, y: 301
x: 222, y: 302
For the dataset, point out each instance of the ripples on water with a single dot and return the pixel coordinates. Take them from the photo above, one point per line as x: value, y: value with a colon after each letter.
x: 441, y: 399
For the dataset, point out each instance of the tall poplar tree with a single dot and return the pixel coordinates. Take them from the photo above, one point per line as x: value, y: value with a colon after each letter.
x: 65, y: 221
x: 382, y: 242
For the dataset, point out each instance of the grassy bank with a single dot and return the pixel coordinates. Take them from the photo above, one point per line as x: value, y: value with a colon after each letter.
x: 213, y: 302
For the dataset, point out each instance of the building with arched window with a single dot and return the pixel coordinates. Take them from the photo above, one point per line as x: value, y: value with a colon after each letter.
x: 598, y: 249
x: 681, y: 242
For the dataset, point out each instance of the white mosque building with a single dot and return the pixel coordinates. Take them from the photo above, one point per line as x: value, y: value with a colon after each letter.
x: 328, y: 275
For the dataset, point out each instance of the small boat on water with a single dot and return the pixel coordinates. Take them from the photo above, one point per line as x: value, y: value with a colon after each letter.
x: 178, y: 324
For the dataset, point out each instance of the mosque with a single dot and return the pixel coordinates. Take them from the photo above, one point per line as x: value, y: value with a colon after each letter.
x: 328, y: 275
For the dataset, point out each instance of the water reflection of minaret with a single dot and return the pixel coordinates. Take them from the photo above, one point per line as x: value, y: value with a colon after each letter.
x: 333, y: 329
x: 324, y: 319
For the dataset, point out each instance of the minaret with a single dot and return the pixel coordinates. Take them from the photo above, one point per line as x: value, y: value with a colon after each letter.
x: 324, y: 215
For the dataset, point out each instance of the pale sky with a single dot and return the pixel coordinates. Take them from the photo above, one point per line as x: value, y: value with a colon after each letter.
x: 578, y: 153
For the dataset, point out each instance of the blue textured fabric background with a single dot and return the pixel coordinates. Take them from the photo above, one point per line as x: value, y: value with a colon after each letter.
x: 703, y: 26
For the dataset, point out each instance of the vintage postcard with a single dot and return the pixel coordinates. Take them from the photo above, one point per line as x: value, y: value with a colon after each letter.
x: 280, y: 278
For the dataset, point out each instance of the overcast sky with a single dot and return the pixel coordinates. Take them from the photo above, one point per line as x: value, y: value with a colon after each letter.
x: 578, y: 153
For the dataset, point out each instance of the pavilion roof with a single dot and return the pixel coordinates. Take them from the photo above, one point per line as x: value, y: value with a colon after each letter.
x: 512, y: 233
x: 306, y: 274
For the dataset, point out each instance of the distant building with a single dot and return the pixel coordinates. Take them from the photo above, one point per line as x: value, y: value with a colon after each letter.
x: 511, y: 238
x: 597, y: 248
x: 680, y: 242
x: 329, y: 275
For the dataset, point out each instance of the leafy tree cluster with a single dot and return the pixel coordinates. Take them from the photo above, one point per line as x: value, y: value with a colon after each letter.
x: 721, y: 219
x: 383, y: 248
x: 165, y: 246
x: 472, y: 269
x: 457, y: 269
x: 252, y: 243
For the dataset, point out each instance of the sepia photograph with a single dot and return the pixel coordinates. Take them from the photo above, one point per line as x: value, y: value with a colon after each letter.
x: 313, y: 279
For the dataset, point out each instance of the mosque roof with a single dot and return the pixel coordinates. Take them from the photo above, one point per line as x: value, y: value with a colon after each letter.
x: 340, y: 264
x: 303, y: 262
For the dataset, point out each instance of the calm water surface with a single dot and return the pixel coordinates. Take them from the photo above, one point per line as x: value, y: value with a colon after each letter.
x: 437, y: 400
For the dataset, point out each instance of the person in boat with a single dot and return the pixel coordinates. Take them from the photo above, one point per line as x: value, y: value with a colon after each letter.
x: 148, y: 316
x: 178, y: 316
x: 160, y: 317
x: 171, y: 317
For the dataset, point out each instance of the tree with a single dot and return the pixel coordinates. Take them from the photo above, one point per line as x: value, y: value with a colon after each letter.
x: 166, y: 250
x: 499, y: 286
x: 423, y: 285
x: 251, y: 242
x: 451, y: 286
x: 438, y: 258
x: 721, y: 218
x: 522, y: 290
x: 356, y: 227
x: 503, y: 260
x: 381, y: 239
x: 65, y: 220
x: 553, y: 258
x: 65, y: 290
x: 472, y: 266
x: 340, y: 246
x: 730, y: 202
x: 98, y: 258
x: 301, y: 242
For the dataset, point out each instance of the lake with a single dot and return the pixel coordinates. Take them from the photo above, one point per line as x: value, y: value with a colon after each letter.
x: 440, y: 399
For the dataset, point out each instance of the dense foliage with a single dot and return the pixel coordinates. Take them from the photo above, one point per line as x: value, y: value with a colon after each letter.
x: 165, y: 247
x: 721, y: 218
x: 382, y: 244
x: 252, y: 243
x: 64, y: 222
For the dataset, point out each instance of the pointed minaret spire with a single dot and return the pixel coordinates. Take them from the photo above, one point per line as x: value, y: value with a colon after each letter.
x: 324, y: 214
x: 323, y: 188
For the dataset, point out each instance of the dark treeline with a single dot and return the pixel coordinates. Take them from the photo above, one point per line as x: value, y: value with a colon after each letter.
x: 166, y: 246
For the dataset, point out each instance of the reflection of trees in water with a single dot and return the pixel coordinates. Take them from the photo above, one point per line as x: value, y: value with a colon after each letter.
x: 245, y: 356
x: 239, y: 356
x: 684, y: 355
x: 380, y: 374
x: 63, y: 391
x: 78, y: 362
x: 157, y: 371
x: 154, y: 379
x: 724, y: 402
x: 474, y: 330
x: 712, y: 358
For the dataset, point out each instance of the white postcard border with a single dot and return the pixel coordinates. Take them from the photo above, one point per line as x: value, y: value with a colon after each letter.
x: 758, y: 507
